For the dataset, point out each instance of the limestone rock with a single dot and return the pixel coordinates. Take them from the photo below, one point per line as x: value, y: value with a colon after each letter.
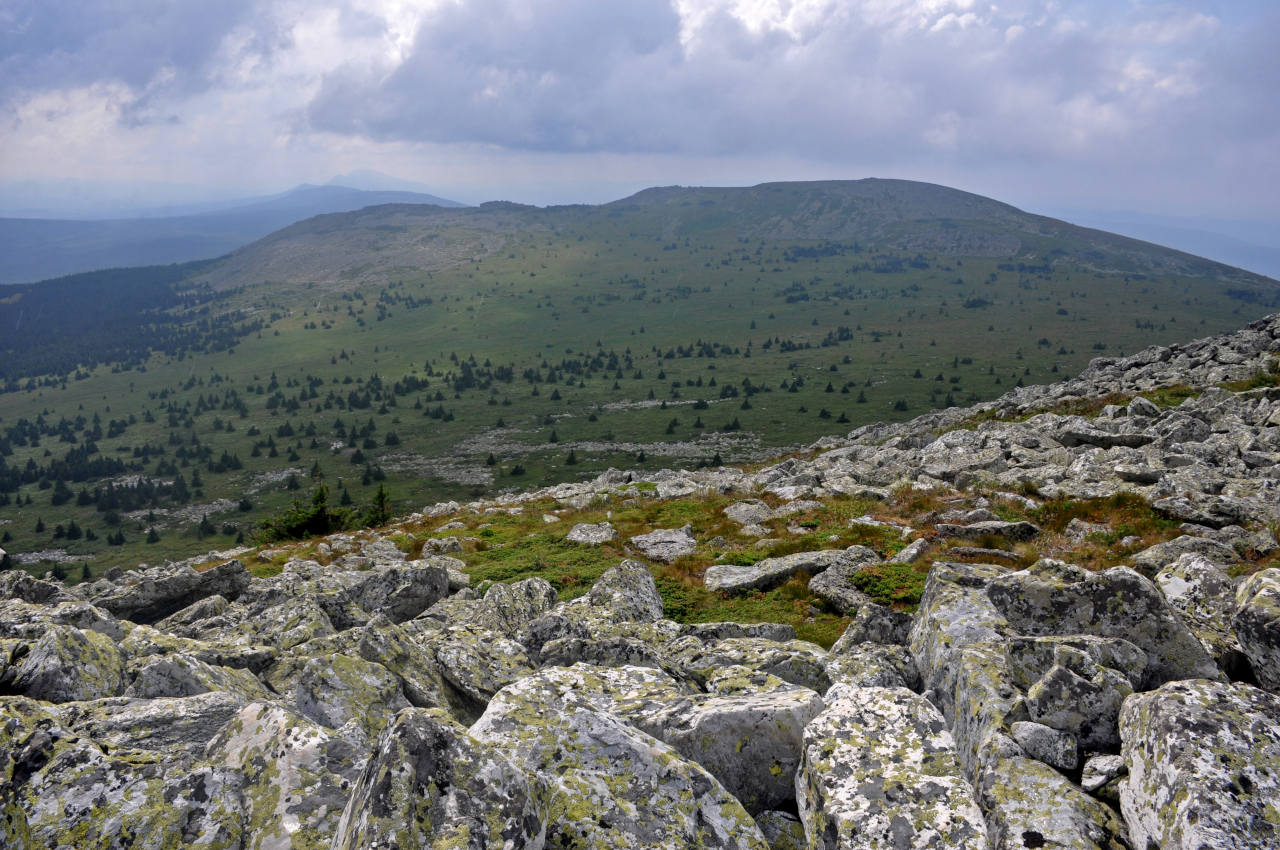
x: 429, y: 784
x: 1155, y: 558
x: 880, y: 771
x: 1204, y: 767
x: 873, y: 623
x: 665, y: 544
x: 178, y: 727
x: 796, y: 661
x: 995, y: 528
x: 835, y: 584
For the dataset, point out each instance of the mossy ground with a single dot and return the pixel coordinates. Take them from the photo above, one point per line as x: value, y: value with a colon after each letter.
x: 502, y: 546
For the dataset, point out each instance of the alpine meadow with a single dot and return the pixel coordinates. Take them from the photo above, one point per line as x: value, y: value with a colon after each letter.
x: 405, y: 354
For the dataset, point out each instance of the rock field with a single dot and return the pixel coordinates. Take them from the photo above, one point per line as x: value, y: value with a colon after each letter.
x: 363, y: 698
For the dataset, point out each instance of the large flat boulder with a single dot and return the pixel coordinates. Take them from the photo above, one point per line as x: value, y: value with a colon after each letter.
x: 880, y: 771
x: 154, y: 594
x: 1204, y: 767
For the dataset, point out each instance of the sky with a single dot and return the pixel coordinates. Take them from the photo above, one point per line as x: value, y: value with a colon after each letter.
x: 1159, y: 107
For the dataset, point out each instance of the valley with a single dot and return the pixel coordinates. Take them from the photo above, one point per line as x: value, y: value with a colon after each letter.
x: 451, y: 354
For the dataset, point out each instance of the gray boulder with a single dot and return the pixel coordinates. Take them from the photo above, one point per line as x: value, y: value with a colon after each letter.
x: 665, y: 544
x: 65, y: 665
x: 1204, y: 767
x: 770, y: 572
x: 880, y: 771
x: 156, y: 593
x: 1016, y: 531
x: 428, y: 784
x: 1155, y: 558
x: 1053, y: 598
x: 604, y: 783
x: 1205, y: 596
x: 1257, y: 625
x: 296, y: 775
x: 592, y: 534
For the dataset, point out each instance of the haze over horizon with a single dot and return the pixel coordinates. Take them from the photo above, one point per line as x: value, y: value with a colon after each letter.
x: 1147, y: 107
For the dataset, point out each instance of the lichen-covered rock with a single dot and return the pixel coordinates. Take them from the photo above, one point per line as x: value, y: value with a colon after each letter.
x: 1156, y: 558
x: 1029, y: 804
x: 506, y: 608
x: 665, y: 544
x: 431, y: 785
x: 30, y: 621
x: 179, y: 727
x: 341, y: 692
x: 1102, y: 777
x: 880, y: 771
x: 769, y: 572
x: 592, y: 534
x: 156, y: 593
x: 873, y: 623
x: 1204, y: 767
x: 478, y: 663
x: 872, y: 665
x: 182, y: 676
x: 188, y: 621
x: 604, y: 783
x: 747, y: 738
x: 835, y: 584
x: 66, y: 664
x: 626, y: 593
x: 783, y: 831
x: 1206, y: 598
x: 1044, y: 743
x: 604, y: 651
x: 297, y: 775
x: 1053, y: 598
x: 796, y: 661
x: 1081, y: 698
x: 19, y: 584
x: 1257, y: 625
x: 989, y: 528
x: 401, y: 591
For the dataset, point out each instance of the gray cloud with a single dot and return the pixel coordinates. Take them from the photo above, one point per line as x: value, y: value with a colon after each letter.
x: 961, y: 80
x: 149, y: 46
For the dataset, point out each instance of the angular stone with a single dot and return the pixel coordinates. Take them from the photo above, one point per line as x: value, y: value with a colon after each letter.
x: 870, y: 665
x: 874, y: 623
x: 180, y: 727
x: 604, y: 783
x: 770, y: 572
x: 1257, y: 625
x: 592, y: 534
x: 880, y: 771
x: 796, y: 661
x: 1155, y: 558
x: 1043, y: 743
x: 996, y: 528
x: 340, y: 692
x: 835, y: 584
x: 296, y: 774
x: 1204, y: 767
x: 161, y: 591
x: 1206, y: 598
x: 183, y: 676
x: 665, y: 544
x: 431, y: 785
x: 1029, y: 804
x: 66, y: 664
x: 1053, y: 598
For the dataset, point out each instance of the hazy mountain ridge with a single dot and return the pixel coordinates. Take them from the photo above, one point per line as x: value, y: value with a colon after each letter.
x: 897, y: 214
x: 37, y: 249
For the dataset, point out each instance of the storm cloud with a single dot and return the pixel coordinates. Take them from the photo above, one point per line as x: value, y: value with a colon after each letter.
x: 1154, y: 93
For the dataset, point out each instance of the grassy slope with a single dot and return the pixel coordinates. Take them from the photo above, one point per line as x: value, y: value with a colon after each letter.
x: 663, y: 269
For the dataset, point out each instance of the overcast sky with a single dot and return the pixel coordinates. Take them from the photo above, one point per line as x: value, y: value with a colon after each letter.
x: 1164, y: 107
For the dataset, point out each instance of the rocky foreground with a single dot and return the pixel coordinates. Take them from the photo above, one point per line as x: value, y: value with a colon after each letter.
x: 361, y: 698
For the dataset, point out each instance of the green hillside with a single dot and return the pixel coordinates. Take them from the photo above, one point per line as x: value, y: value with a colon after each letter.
x: 446, y: 353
